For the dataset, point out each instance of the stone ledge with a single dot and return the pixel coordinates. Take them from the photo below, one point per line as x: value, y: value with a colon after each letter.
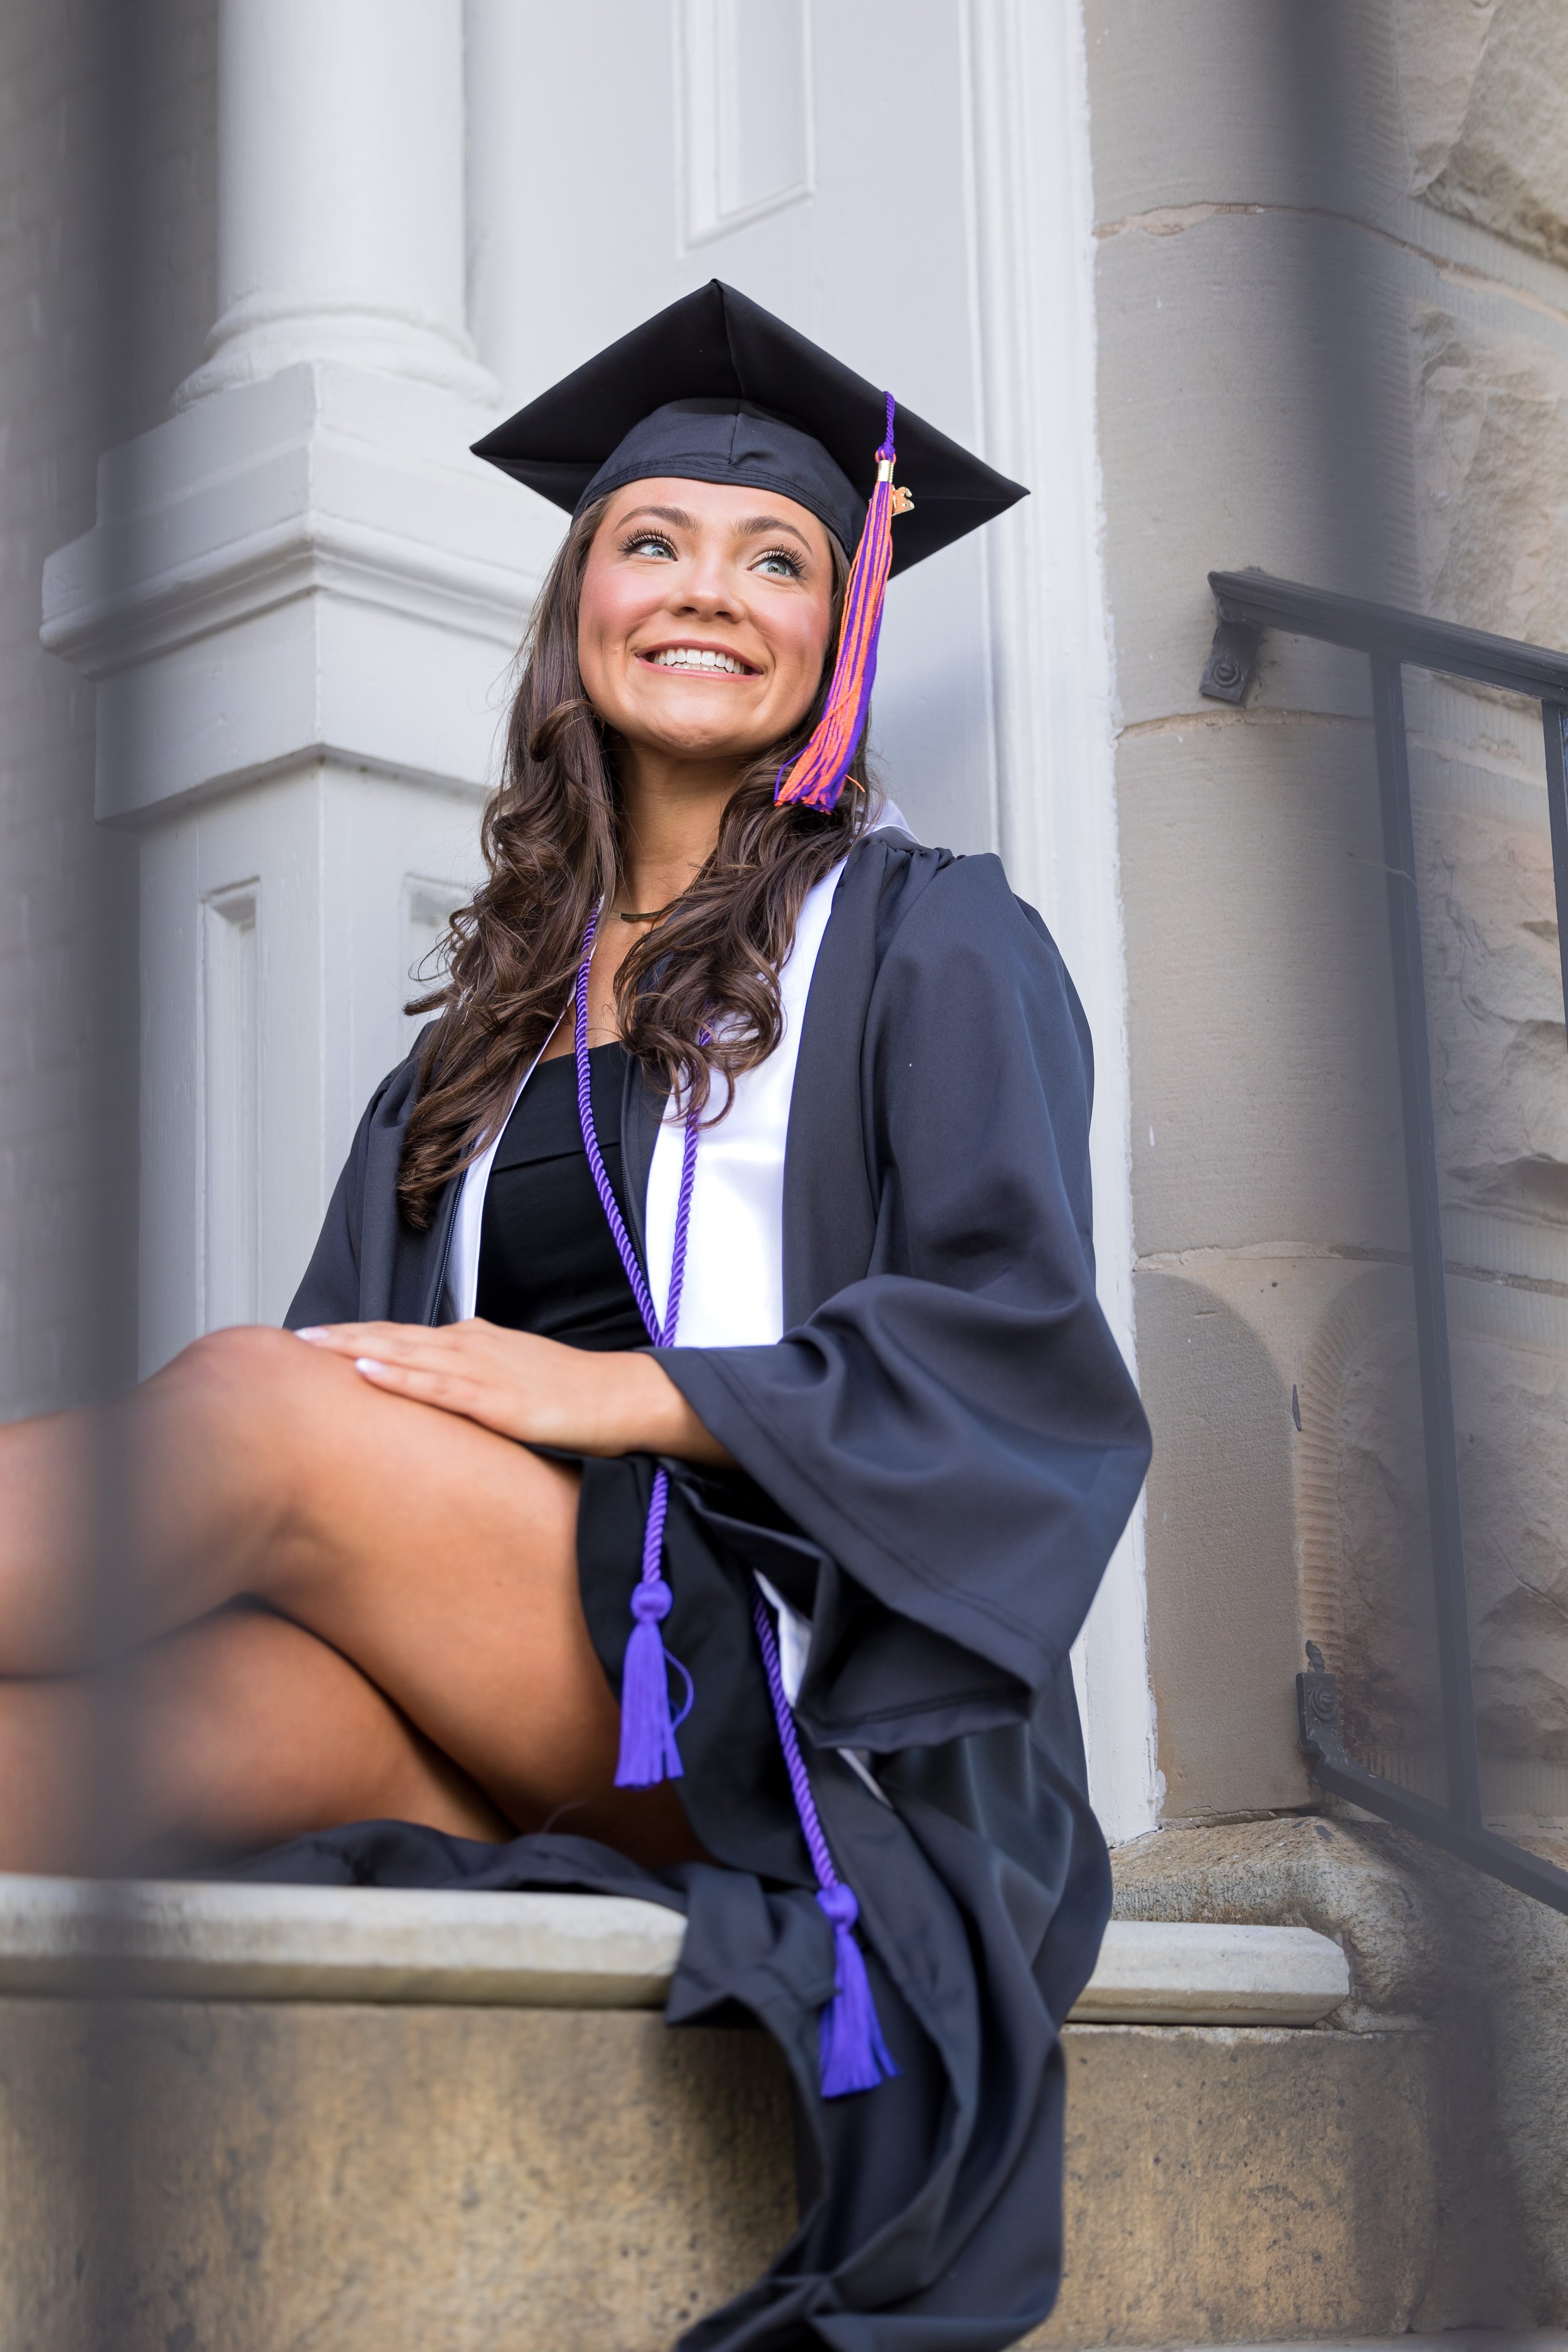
x: 1174, y: 1973
x: 240, y: 1942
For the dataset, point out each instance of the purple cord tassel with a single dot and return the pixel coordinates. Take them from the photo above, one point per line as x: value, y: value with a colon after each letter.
x: 852, y: 2054
x: 649, y: 1751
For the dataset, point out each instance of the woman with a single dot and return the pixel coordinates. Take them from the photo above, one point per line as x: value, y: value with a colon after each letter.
x: 424, y: 1595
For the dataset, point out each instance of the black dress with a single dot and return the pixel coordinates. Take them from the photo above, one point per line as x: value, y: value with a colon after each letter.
x: 547, y: 1260
x: 937, y: 1459
x: 549, y: 1263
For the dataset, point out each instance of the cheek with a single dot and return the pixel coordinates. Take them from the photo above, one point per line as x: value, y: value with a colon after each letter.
x: 615, y: 600
x: 803, y: 647
x: 604, y: 613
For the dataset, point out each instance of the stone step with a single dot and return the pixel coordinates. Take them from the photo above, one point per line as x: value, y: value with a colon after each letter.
x: 523, y: 2158
x: 237, y: 1942
x: 1453, y: 2339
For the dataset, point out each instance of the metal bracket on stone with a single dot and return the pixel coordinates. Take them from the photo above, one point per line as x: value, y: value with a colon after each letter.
x: 1318, y: 1710
x: 1233, y: 656
x: 1322, y: 1743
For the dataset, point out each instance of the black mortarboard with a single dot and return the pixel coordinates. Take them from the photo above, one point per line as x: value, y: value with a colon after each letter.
x: 716, y: 389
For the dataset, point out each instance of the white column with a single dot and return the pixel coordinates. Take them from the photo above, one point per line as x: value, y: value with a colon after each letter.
x: 1056, y: 737
x: 299, y: 602
x: 341, y: 191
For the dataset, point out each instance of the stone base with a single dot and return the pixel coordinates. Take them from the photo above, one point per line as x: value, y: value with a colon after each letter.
x: 238, y: 2177
x: 1482, y: 1969
x: 1225, y: 2183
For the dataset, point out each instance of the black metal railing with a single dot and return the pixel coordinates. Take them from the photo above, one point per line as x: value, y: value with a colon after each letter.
x: 1249, y: 603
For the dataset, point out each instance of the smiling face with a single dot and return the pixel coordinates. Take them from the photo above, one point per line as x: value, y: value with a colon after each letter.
x: 704, y: 618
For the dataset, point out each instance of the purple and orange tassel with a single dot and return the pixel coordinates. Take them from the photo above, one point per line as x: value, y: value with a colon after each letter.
x: 815, y: 777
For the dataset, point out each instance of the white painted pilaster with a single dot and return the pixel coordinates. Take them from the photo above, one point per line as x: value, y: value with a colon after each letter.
x: 1031, y: 264
x: 299, y: 603
x: 341, y: 192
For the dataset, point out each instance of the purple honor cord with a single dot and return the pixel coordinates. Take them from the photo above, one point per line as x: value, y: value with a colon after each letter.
x: 851, y: 2051
x: 649, y: 1751
x: 854, y: 2057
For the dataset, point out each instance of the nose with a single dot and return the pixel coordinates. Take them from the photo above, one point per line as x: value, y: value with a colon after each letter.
x: 708, y: 587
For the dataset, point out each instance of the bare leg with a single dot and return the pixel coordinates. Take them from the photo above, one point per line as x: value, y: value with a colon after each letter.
x: 239, y: 1733
x: 438, y: 1557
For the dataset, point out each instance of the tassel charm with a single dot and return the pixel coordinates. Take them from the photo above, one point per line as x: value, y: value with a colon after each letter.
x: 816, y: 776
x: 854, y: 2057
x: 649, y: 1751
x: 851, y: 2053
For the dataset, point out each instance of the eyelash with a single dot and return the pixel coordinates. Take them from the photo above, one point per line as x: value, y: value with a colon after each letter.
x: 642, y: 540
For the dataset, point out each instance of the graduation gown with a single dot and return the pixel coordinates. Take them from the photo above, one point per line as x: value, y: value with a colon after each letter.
x: 937, y: 1460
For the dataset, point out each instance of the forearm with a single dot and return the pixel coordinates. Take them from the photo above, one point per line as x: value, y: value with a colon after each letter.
x: 644, y: 1413
x: 539, y: 1391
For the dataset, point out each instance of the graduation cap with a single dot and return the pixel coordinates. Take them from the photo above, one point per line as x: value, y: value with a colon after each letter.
x: 716, y: 389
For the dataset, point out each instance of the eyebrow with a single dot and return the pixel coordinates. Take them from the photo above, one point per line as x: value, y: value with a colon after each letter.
x: 754, y: 526
x: 676, y: 515
x: 750, y: 527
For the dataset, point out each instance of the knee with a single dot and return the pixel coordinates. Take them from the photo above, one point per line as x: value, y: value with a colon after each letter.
x: 280, y: 1401
x: 243, y: 1355
x: 256, y: 1372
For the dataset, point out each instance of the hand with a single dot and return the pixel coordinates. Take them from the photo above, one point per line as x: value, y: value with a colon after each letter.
x: 534, y: 1390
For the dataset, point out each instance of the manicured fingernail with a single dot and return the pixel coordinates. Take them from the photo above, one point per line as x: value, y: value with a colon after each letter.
x: 368, y: 1364
x: 312, y: 1332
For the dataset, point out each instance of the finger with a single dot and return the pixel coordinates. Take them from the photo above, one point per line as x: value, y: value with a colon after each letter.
x: 474, y: 1341
x: 342, y: 1339
x: 360, y: 1336
x: 392, y: 1343
x: 448, y: 1392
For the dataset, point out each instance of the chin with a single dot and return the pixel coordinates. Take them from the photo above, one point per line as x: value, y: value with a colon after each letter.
x: 700, y: 743
x: 703, y: 734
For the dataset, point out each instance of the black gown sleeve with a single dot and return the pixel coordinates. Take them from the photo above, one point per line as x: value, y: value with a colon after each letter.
x: 957, y: 1431
x: 329, y: 1290
x: 355, y: 1268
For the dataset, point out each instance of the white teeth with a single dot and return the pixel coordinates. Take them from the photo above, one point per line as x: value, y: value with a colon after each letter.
x: 698, y: 658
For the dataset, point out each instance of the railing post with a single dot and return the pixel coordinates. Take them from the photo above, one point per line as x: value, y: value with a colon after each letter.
x: 1427, y: 1245
x: 1555, y: 720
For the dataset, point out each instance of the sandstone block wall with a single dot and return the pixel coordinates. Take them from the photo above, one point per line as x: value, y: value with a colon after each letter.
x: 1333, y: 294
x: 1485, y: 115
x: 1333, y: 322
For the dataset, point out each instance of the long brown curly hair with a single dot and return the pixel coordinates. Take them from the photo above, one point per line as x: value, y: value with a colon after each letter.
x: 698, y: 994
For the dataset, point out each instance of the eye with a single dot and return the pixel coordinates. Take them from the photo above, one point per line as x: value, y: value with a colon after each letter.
x: 649, y: 543
x: 780, y: 563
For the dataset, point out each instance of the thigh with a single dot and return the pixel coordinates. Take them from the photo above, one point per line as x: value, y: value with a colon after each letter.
x: 436, y: 1556
x: 238, y: 1733
x: 443, y: 1560
x: 246, y: 1730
